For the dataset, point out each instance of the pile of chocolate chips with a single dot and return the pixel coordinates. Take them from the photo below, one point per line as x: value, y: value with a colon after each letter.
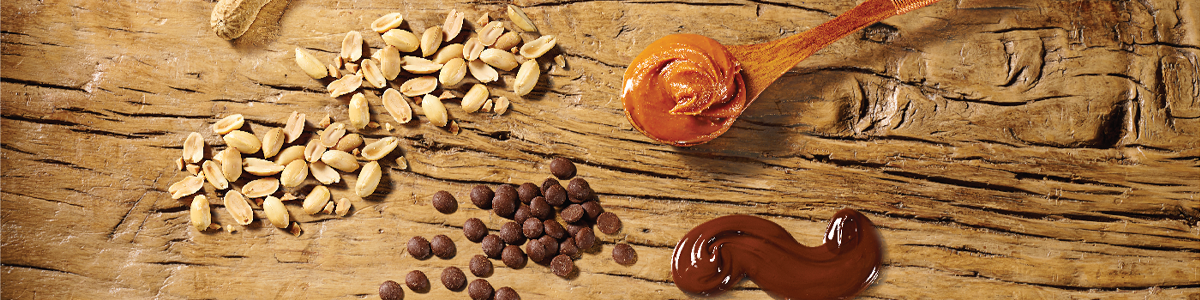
x: 533, y: 210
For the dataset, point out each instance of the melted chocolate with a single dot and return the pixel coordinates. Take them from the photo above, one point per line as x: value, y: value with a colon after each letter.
x: 714, y: 256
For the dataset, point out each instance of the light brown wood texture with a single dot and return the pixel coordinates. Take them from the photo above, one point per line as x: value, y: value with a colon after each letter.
x: 1006, y: 149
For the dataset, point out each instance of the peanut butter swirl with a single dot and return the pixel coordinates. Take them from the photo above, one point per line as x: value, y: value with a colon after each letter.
x: 684, y: 90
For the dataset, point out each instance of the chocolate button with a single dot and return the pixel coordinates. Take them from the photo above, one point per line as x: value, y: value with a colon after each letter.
x: 480, y: 290
x: 593, y: 209
x: 512, y: 233
x: 541, y: 209
x: 474, y: 230
x: 573, y: 213
x: 390, y: 290
x: 536, y: 252
x: 513, y: 257
x: 417, y: 281
x: 528, y: 191
x: 562, y: 168
x: 554, y: 229
x: 453, y: 278
x: 585, y: 238
x: 579, y: 190
x: 493, y: 245
x: 418, y: 247
x: 532, y: 228
x: 481, y: 266
x: 481, y: 196
x: 556, y: 195
x: 608, y: 223
x: 624, y: 254
x: 444, y: 202
x: 562, y: 265
x: 507, y: 293
x: 443, y: 246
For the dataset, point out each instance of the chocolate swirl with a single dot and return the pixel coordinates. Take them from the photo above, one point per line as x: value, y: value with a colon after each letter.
x: 714, y: 256
x: 683, y: 90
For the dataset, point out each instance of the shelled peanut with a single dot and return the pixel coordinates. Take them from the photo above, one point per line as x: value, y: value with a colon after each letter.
x: 328, y: 152
x: 422, y: 62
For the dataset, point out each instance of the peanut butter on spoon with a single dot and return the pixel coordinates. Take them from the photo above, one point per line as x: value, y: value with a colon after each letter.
x: 686, y: 89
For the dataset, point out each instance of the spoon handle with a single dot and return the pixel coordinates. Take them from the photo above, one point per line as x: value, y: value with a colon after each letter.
x: 763, y: 63
x: 903, y: 6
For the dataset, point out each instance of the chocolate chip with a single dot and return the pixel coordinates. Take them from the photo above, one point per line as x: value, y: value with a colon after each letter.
x: 608, y: 223
x: 481, y: 196
x: 454, y: 279
x: 513, y: 257
x: 522, y: 214
x: 390, y: 290
x: 579, y: 190
x: 444, y: 202
x: 474, y: 230
x: 527, y: 191
x: 535, y: 250
x: 480, y: 289
x: 532, y: 228
x: 512, y: 233
x: 549, y: 182
x: 550, y: 244
x: 540, y: 209
x: 624, y: 254
x: 493, y: 245
x: 593, y: 209
x: 562, y: 265
x: 556, y: 195
x: 574, y: 228
x: 573, y: 213
x: 481, y: 266
x: 417, y: 281
x: 562, y: 168
x: 504, y: 204
x: 568, y: 248
x: 418, y: 247
x: 585, y: 238
x: 507, y: 293
x: 554, y: 229
x: 443, y: 246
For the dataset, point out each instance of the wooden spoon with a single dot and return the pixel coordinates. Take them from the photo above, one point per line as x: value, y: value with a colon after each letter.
x: 763, y: 63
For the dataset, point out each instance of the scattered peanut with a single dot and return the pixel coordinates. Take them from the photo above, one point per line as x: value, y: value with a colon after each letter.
x: 212, y: 173
x: 474, y: 98
x: 403, y: 40
x: 518, y: 17
x: 201, y: 216
x: 527, y: 78
x: 324, y: 173
x: 387, y: 22
x: 276, y: 212
x: 294, y: 127
x: 340, y: 160
x: 310, y: 64
x: 193, y: 148
x: 237, y: 206
x: 500, y: 59
x: 229, y: 123
x: 360, y: 115
x: 261, y: 187
x: 352, y: 46
x: 453, y: 25
x: 368, y: 179
x: 397, y: 106
x: 189, y: 185
x: 434, y: 110
x: 316, y: 200
x: 431, y: 40
x: 294, y: 174
x: 419, y: 86
x: 378, y: 149
x: 272, y: 142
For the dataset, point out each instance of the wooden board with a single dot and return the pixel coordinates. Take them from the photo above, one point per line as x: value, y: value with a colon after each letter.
x: 1007, y: 149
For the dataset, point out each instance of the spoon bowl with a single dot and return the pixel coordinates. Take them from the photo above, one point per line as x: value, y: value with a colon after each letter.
x: 686, y: 90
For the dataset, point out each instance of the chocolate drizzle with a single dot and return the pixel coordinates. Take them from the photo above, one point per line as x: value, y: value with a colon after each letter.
x: 714, y: 256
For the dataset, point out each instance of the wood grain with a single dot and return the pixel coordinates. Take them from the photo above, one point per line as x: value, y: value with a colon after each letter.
x: 1007, y: 149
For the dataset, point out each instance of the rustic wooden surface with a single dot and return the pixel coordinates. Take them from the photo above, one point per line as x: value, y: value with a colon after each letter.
x: 1007, y: 149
